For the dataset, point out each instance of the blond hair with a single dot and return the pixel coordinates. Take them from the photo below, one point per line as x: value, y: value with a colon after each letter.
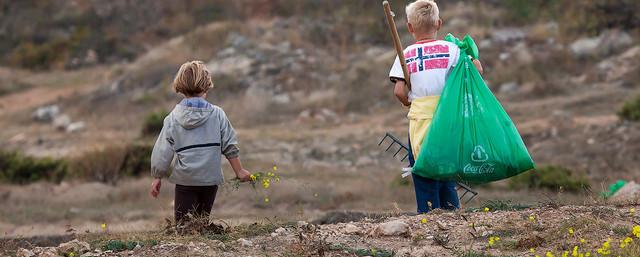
x: 192, y: 79
x: 423, y: 15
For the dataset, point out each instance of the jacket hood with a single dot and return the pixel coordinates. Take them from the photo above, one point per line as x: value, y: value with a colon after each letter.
x: 191, y: 117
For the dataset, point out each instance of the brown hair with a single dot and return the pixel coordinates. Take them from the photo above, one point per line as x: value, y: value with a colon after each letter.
x: 192, y: 79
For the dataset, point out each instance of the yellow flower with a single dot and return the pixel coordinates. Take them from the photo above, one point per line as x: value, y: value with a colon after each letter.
x: 636, y: 231
x: 605, y: 249
x: 574, y: 253
x: 72, y: 254
x: 266, y: 199
x: 493, y: 240
x: 588, y: 254
x: 486, y: 209
x: 265, y: 183
x: 549, y: 254
x: 625, y: 242
x: 571, y: 231
x: 582, y: 241
x: 275, y: 168
x: 632, y: 210
x: 532, y: 250
x: 253, y: 177
x: 103, y: 226
x: 423, y: 221
x: 532, y: 218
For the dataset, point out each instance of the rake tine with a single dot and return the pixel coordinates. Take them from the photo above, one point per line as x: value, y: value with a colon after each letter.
x: 399, y: 149
x: 471, y: 198
x: 465, y: 193
x: 383, y: 138
x: 390, y: 145
x: 405, y: 157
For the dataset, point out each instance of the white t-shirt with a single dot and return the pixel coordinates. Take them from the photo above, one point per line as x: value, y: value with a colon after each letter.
x: 429, y: 64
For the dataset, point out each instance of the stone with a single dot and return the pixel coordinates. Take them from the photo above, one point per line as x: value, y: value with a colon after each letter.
x: 364, y: 160
x: 352, y: 229
x: 509, y: 87
x: 244, y: 242
x: 508, y: 35
x: 392, y: 228
x: 75, y: 127
x: 584, y: 46
x: 61, y: 122
x: 75, y: 246
x: 605, y: 43
x: 46, y: 251
x: 25, y: 253
x: 46, y: 113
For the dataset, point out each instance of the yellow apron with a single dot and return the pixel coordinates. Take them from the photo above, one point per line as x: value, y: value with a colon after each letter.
x: 420, y: 116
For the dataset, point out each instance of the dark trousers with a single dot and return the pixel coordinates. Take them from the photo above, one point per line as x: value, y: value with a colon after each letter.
x: 197, y: 200
x: 433, y: 194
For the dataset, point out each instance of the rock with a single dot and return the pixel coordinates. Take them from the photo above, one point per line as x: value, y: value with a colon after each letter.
x: 75, y: 127
x: 75, y: 246
x: 584, y: 46
x: 46, y: 251
x: 244, y: 242
x: 485, y: 44
x: 628, y: 194
x: 283, y: 98
x: 605, y: 43
x: 46, y: 113
x: 25, y: 253
x: 279, y: 232
x: 302, y: 224
x: 352, y: 229
x: 61, y: 122
x: 364, y: 160
x: 392, y: 228
x: 219, y: 244
x: 508, y: 35
x: 509, y: 87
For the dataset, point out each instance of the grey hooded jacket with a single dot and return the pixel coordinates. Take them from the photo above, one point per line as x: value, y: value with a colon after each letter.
x: 197, y: 137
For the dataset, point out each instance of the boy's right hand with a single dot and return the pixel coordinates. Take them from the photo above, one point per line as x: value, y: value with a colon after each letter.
x: 243, y: 175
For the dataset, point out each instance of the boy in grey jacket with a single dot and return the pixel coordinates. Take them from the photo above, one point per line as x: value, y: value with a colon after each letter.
x: 197, y: 133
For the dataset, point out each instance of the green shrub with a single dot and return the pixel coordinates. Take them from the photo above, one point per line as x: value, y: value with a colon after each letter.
x: 110, y: 164
x: 153, y: 123
x: 631, y: 110
x: 137, y: 160
x: 21, y: 169
x: 550, y: 177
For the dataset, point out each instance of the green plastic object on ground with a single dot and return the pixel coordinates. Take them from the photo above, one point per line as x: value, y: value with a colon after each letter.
x: 613, y: 188
x: 471, y: 138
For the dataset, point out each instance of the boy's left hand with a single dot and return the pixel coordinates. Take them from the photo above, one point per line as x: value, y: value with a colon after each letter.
x: 478, y: 65
x: 155, y: 187
x: 243, y: 175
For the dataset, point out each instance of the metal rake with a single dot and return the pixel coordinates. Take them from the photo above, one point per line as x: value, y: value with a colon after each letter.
x: 461, y: 187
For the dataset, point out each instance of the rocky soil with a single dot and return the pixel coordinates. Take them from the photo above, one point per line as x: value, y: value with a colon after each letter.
x: 523, y: 232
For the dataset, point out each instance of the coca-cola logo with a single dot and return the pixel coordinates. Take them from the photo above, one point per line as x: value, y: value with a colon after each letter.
x: 485, y: 168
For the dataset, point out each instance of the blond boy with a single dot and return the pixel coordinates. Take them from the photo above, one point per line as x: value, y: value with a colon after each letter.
x: 429, y: 62
x: 196, y: 133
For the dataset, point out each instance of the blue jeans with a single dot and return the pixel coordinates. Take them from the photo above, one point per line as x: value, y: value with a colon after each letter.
x: 438, y: 194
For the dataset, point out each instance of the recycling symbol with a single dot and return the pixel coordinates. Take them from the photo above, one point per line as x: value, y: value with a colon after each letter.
x: 479, y: 154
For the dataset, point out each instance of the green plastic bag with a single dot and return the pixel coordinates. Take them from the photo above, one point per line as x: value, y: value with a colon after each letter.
x: 471, y: 138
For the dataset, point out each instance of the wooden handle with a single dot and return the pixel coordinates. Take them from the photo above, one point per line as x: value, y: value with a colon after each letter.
x: 396, y: 42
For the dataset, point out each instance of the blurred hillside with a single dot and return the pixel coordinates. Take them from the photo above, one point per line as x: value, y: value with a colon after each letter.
x: 84, y: 84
